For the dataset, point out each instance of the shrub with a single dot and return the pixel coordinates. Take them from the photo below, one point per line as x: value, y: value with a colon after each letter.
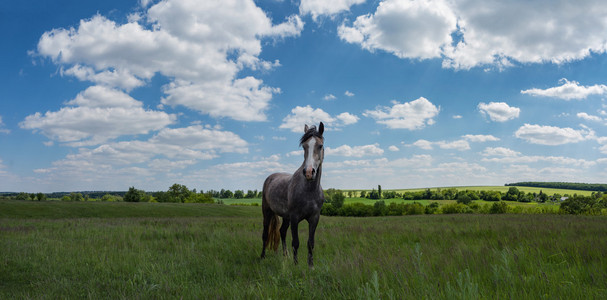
x: 455, y: 208
x: 432, y: 208
x: 414, y: 209
x: 380, y: 208
x: 499, y: 207
x: 356, y: 210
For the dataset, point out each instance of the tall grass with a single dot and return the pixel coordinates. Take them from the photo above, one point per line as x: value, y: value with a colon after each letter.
x: 416, y: 257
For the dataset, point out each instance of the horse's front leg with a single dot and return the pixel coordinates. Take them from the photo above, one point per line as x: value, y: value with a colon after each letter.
x: 295, y: 236
x: 313, y: 221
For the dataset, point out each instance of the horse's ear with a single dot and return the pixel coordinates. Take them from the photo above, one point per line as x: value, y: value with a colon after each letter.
x: 321, y: 128
x: 306, y: 128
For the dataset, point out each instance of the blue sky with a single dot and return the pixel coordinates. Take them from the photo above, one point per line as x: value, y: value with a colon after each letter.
x: 104, y: 95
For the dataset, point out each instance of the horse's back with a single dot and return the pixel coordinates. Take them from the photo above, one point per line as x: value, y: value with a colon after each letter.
x: 275, y: 192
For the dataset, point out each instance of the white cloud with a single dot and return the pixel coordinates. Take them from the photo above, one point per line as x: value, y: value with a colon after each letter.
x: 244, y: 99
x: 423, y: 144
x: 129, y: 162
x: 2, y: 129
x: 499, y: 111
x: 356, y: 151
x: 347, y: 118
x: 349, y: 94
x: 113, y: 78
x: 393, y: 148
x: 515, y: 158
x: 499, y: 151
x: 588, y: 117
x: 104, y: 97
x: 457, y: 117
x: 412, y: 115
x: 550, y: 135
x: 322, y: 7
x: 200, y: 46
x: 487, y: 33
x: 407, y: 29
x: 199, y: 138
x: 480, y: 138
x: 101, y: 114
x: 460, y: 145
x: 301, y: 115
x: 329, y: 97
x: 569, y: 90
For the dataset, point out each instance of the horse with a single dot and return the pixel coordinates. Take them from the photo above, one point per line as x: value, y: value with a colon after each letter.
x: 295, y: 197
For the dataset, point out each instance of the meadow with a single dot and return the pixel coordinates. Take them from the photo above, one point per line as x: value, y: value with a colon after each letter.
x: 165, y: 250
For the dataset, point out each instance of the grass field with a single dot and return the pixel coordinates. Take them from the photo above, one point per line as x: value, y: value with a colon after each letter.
x: 152, y: 250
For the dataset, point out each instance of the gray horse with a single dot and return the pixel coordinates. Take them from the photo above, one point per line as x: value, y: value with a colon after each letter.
x: 295, y: 197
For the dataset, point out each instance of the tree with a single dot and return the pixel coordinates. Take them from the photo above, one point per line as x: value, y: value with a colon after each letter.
x: 363, y: 194
x: 22, y: 196
x: 238, y: 194
x: 378, y: 191
x: 512, y: 194
x: 179, y: 193
x: 226, y: 194
x: 41, y: 197
x: 76, y: 197
x: 134, y: 195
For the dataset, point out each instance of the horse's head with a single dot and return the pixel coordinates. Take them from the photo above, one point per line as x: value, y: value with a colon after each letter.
x: 314, y: 152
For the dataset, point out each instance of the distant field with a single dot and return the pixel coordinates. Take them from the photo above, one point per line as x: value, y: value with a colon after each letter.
x: 109, y: 250
x: 499, y: 188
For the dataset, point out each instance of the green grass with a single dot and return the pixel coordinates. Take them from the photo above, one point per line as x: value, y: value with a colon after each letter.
x: 59, y: 210
x: 161, y: 253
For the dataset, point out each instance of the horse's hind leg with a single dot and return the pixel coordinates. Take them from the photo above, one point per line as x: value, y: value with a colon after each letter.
x: 283, y: 234
x: 267, y: 217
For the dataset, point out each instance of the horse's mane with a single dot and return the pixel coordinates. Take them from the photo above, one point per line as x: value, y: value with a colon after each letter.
x: 310, y: 133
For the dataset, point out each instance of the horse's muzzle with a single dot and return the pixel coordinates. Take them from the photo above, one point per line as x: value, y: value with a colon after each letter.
x: 310, y: 173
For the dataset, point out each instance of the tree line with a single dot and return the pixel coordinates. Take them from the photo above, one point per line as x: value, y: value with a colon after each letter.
x: 465, y: 196
x: 563, y: 185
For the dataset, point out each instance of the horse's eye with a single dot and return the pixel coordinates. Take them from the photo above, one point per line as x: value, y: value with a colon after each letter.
x: 319, y: 147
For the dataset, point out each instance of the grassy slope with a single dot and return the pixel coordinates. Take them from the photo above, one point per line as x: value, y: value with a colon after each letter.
x: 215, y: 255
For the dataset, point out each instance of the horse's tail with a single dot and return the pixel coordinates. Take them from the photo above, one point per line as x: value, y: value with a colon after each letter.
x: 274, y: 232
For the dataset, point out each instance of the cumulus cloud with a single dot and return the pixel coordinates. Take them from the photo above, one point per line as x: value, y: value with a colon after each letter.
x: 551, y: 135
x: 460, y: 145
x: 100, y: 114
x: 499, y: 151
x: 499, y: 111
x: 113, y: 78
x: 329, y: 97
x: 568, y: 90
x: 349, y: 94
x: 588, y: 117
x: 356, y: 151
x: 407, y: 29
x: 301, y: 115
x: 480, y: 138
x: 318, y: 8
x: 170, y: 148
x: 475, y: 33
x: 412, y: 115
x: 393, y: 148
x: 200, y: 46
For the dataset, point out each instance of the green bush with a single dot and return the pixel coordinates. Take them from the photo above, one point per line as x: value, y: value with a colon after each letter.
x: 499, y: 207
x: 432, y: 208
x: 455, y: 208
